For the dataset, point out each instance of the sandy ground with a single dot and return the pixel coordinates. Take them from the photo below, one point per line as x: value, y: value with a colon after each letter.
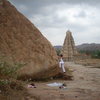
x: 84, y: 86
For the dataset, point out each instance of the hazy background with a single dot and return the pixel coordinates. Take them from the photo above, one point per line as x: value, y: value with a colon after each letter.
x: 54, y: 17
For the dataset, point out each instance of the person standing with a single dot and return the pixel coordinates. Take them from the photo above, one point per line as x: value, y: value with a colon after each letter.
x: 61, y: 63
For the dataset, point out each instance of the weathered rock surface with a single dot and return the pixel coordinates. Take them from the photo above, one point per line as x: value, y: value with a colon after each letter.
x: 69, y: 49
x: 23, y: 42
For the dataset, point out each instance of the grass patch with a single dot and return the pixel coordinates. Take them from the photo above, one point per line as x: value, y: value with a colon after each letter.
x: 9, y: 70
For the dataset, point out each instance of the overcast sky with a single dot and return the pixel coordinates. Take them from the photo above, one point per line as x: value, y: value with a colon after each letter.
x: 54, y: 17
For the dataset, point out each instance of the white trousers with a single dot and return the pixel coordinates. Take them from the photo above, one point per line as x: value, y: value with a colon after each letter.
x: 61, y: 65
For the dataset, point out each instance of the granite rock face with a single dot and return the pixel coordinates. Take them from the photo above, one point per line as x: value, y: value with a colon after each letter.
x: 69, y: 49
x: 23, y: 42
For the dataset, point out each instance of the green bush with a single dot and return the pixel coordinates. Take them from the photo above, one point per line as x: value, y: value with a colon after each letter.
x: 58, y: 51
x: 93, y: 54
x: 96, y: 54
x: 9, y: 70
x: 4, y: 82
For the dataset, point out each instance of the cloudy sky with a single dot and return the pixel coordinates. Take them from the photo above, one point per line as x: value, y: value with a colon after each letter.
x: 54, y: 17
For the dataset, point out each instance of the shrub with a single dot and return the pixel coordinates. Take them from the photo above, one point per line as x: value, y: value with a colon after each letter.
x: 93, y: 54
x: 4, y: 82
x: 7, y: 69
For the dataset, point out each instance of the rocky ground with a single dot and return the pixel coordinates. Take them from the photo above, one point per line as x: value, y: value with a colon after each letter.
x: 84, y: 86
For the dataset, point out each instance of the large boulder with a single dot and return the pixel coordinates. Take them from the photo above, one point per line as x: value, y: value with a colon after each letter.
x: 23, y: 42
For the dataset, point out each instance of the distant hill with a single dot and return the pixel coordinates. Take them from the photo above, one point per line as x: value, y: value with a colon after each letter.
x: 88, y: 47
x: 84, y: 47
x: 58, y: 47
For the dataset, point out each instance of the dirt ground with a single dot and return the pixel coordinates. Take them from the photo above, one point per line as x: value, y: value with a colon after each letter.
x: 84, y: 86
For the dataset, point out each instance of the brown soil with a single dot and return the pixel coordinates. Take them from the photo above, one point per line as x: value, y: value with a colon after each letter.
x: 84, y: 86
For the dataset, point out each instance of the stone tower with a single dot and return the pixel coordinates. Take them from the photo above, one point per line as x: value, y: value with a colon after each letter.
x: 68, y: 49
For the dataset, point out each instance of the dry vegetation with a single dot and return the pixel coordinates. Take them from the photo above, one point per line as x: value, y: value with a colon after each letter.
x: 10, y: 88
x: 13, y: 90
x: 95, y: 63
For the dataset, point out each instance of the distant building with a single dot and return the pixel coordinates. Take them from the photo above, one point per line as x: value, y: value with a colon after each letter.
x: 69, y: 50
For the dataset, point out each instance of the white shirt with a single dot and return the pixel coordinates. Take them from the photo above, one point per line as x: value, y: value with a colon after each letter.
x: 61, y: 61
